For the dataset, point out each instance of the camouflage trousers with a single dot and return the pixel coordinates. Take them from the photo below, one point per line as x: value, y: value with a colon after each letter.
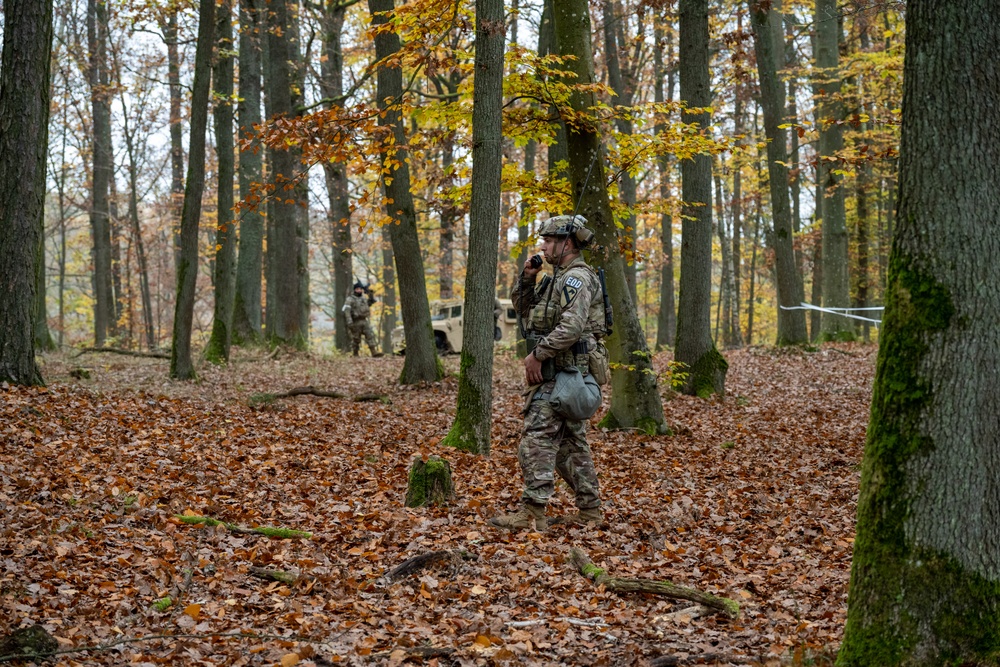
x: 551, y: 444
x: 360, y: 328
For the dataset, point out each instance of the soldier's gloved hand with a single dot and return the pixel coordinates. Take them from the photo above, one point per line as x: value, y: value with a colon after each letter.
x: 533, y: 370
x: 529, y: 271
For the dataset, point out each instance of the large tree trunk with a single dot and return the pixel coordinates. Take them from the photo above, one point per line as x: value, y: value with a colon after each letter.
x: 283, y: 249
x: 635, y: 399
x: 246, y: 309
x: 24, y: 125
x: 332, y: 88
x: 100, y: 223
x: 706, y: 368
x: 181, y: 365
x: 473, y: 416
x: 791, y: 323
x: 666, y: 323
x: 421, y: 363
x: 925, y: 574
x: 217, y: 350
x: 836, y: 286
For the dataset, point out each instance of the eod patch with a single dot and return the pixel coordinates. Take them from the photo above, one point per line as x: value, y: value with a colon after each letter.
x: 570, y: 290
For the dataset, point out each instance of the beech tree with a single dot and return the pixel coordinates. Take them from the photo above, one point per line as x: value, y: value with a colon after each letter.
x: 473, y: 417
x: 181, y: 364
x: 836, y: 284
x: 421, y: 362
x: 24, y: 131
x: 706, y: 368
x: 925, y: 572
x: 635, y: 397
x: 791, y: 323
x: 217, y: 350
x: 246, y: 309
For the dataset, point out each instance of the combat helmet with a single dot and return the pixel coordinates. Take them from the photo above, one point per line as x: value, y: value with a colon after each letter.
x: 568, y: 225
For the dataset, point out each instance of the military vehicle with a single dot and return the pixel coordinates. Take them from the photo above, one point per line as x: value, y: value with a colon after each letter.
x: 446, y: 319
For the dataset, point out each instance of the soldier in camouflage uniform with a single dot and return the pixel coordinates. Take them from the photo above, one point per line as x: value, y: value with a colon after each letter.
x: 357, y: 308
x: 566, y: 314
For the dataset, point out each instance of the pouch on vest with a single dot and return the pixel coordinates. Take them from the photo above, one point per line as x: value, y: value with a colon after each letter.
x: 575, y: 396
x: 600, y: 366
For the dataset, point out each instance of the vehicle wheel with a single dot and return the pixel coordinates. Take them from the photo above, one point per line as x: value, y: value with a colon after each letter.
x: 441, y: 342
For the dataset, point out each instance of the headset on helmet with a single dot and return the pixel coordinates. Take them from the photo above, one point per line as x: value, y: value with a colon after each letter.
x: 568, y: 225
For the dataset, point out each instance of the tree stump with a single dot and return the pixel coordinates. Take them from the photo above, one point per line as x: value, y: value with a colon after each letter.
x: 429, y: 483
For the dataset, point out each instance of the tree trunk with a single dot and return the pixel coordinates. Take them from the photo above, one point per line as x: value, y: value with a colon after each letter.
x: 836, y: 288
x: 181, y: 365
x: 43, y: 339
x: 706, y: 368
x: 736, y: 208
x: 246, y: 329
x: 24, y: 123
x: 217, y: 350
x: 332, y: 88
x: 421, y: 363
x: 429, y: 482
x: 635, y: 399
x: 726, y: 297
x: 862, y: 182
x: 389, y: 297
x: 925, y: 573
x: 283, y: 249
x: 666, y: 323
x: 171, y: 36
x: 473, y: 416
x: 104, y: 307
x: 791, y: 323
x: 623, y: 97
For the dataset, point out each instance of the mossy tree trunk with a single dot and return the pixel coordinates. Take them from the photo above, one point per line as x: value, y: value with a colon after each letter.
x: 217, y: 350
x: 471, y: 430
x: 706, y: 368
x: 24, y: 116
x: 925, y: 575
x: 421, y: 363
x: 181, y: 364
x: 429, y: 483
x: 635, y: 397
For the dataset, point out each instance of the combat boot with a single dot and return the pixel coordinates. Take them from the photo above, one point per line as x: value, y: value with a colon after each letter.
x: 530, y: 515
x: 375, y: 353
x: 588, y: 517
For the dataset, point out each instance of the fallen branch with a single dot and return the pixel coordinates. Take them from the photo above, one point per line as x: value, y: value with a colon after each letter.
x: 417, y: 563
x: 371, y: 396
x: 127, y: 353
x: 274, y: 575
x: 265, y: 398
x: 713, y: 658
x: 406, y: 652
x: 587, y: 568
x: 267, y: 531
x: 114, y: 644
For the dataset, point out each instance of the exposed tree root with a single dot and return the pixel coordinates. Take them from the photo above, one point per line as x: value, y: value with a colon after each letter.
x: 127, y: 353
x: 267, y: 531
x: 587, y: 568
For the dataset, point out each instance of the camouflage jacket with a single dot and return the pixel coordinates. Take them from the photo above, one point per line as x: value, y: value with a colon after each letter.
x: 356, y: 308
x: 562, y: 311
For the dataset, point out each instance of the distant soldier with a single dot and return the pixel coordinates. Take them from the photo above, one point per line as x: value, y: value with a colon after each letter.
x: 357, y: 309
x: 567, y: 320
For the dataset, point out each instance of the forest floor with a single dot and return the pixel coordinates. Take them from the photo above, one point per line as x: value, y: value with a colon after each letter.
x: 753, y: 498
